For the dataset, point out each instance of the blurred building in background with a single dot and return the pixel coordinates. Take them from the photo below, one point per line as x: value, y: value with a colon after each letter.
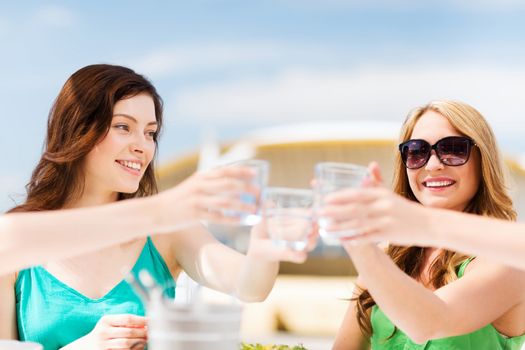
x: 318, y: 289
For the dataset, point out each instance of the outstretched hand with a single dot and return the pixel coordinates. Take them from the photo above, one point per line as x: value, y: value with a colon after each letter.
x: 207, y: 196
x: 262, y: 248
x: 376, y: 213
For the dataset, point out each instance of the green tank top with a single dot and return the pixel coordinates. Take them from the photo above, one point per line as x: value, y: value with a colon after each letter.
x: 53, y: 314
x: 486, y: 338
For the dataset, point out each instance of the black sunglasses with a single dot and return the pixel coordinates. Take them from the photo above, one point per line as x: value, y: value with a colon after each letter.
x: 451, y: 151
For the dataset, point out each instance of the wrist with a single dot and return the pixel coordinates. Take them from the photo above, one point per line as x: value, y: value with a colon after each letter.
x: 355, y: 248
x: 152, y: 208
x: 166, y: 212
x: 159, y: 208
x: 364, y: 257
x: 433, y: 221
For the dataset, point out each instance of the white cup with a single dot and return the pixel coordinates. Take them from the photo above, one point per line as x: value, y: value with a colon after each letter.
x: 197, y: 327
x: 19, y: 345
x: 288, y: 215
x: 331, y: 177
x: 260, y: 180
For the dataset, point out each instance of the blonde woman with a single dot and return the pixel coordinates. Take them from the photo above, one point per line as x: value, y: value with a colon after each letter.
x: 429, y: 298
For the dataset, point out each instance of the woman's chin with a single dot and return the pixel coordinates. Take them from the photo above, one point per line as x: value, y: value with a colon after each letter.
x: 439, y: 203
x: 128, y: 189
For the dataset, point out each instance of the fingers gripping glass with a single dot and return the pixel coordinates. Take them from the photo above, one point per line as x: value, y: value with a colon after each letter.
x: 451, y: 151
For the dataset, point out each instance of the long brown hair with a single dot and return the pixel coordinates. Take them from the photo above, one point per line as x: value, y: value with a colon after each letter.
x: 79, y: 119
x: 491, y: 198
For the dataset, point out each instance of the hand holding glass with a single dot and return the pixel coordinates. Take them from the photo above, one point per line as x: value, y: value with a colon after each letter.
x: 331, y: 177
x: 288, y: 215
x: 259, y: 180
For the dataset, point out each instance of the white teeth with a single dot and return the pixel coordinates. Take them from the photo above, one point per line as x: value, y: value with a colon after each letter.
x: 129, y: 164
x: 438, y: 183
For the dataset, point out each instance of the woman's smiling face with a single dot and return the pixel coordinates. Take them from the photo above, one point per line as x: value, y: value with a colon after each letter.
x: 438, y: 185
x: 118, y: 162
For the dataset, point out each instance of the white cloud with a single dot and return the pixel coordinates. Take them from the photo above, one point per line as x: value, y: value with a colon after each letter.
x: 373, y: 93
x: 55, y: 16
x: 213, y: 56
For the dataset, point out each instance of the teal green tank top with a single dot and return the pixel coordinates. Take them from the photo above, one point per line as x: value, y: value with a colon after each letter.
x: 486, y: 338
x: 53, y: 314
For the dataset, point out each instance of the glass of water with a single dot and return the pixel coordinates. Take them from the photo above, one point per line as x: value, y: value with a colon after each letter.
x: 331, y: 177
x: 260, y: 180
x: 288, y: 215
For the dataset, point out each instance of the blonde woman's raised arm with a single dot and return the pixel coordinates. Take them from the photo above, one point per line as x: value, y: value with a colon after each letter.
x: 381, y: 215
x: 482, y: 296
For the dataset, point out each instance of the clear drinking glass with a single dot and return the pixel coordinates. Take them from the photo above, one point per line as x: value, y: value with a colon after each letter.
x: 288, y: 215
x: 260, y: 180
x: 331, y: 177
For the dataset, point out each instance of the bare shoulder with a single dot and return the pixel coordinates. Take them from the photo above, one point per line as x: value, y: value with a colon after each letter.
x: 506, y: 283
x: 166, y: 248
x: 162, y: 242
x: 480, y: 263
x: 9, y: 278
x: 8, y: 328
x: 486, y: 268
x: 7, y: 282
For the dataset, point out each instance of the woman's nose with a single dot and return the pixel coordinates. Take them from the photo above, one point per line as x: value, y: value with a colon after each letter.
x: 433, y: 162
x: 139, y: 144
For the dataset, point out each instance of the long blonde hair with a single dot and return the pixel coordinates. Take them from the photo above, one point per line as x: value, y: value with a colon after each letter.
x: 491, y: 198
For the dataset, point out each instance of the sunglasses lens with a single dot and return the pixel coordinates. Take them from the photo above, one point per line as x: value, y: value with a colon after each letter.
x: 415, y: 153
x: 453, y: 150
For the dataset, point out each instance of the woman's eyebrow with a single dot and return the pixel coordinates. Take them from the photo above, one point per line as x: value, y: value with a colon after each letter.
x: 132, y: 118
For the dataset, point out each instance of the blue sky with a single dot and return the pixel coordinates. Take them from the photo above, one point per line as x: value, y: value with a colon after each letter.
x: 232, y: 66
